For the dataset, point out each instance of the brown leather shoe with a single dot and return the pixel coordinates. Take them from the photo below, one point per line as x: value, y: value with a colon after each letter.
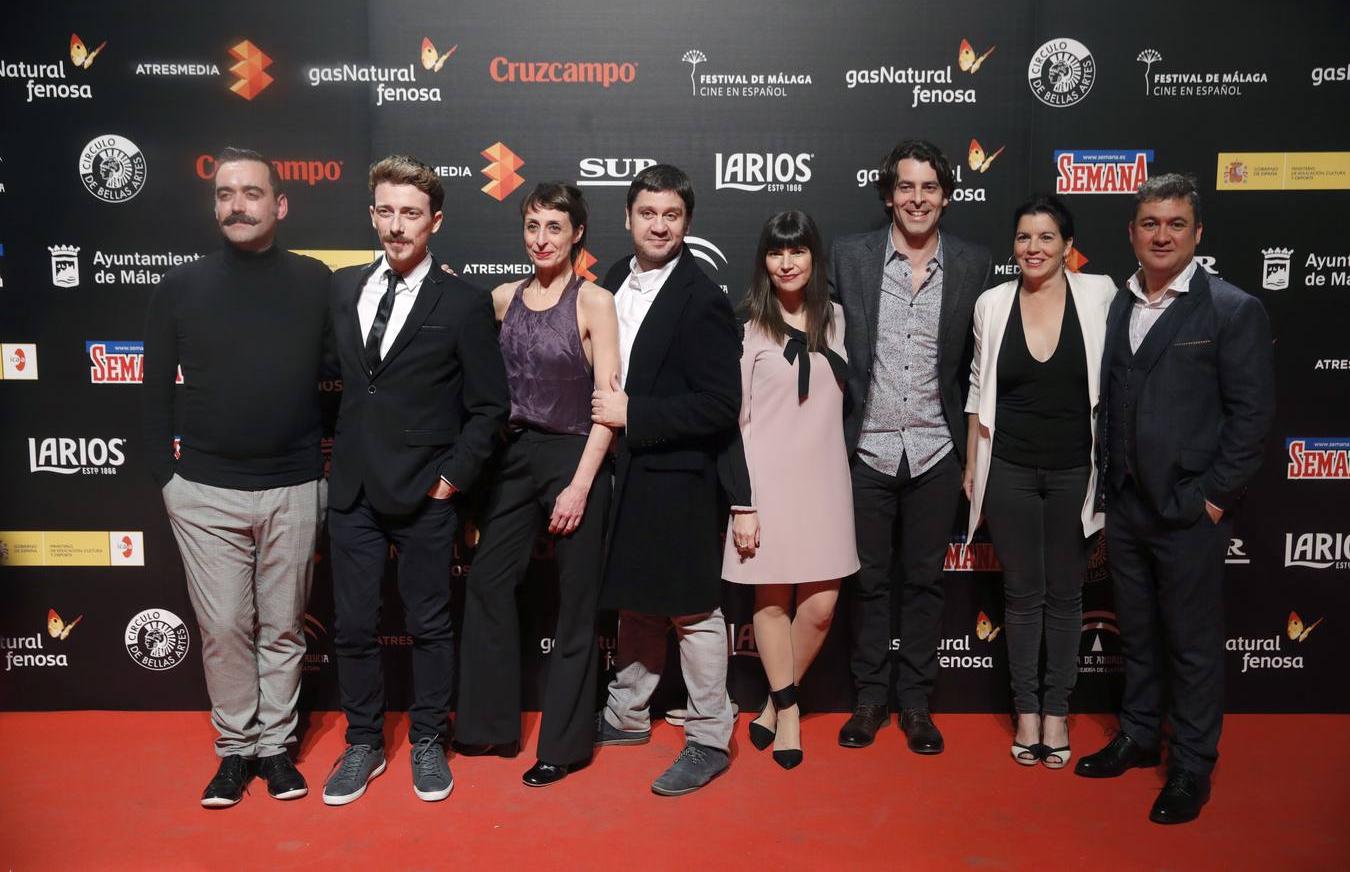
x: 861, y: 729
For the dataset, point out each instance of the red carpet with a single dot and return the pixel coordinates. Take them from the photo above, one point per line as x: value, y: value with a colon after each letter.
x: 105, y: 790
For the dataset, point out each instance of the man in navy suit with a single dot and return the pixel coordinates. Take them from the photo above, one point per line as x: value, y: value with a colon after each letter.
x: 1188, y: 396
x: 424, y: 395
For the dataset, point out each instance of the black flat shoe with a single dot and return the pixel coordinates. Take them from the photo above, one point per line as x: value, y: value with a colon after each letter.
x: 788, y: 758
x: 1119, y: 756
x: 543, y: 774
x: 1181, y: 799
x: 921, y: 733
x: 861, y: 728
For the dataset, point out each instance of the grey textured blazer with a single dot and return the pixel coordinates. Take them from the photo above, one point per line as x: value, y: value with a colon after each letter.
x: 855, y: 281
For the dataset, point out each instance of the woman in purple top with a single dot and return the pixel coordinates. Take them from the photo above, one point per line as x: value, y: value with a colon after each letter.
x: 791, y: 530
x: 560, y: 341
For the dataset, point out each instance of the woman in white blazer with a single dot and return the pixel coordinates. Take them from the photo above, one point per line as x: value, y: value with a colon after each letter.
x: 1030, y: 468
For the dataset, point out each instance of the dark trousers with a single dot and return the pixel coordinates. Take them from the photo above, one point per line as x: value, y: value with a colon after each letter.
x: 534, y: 468
x: 360, y: 538
x: 1168, y: 585
x: 1035, y: 521
x: 908, y: 521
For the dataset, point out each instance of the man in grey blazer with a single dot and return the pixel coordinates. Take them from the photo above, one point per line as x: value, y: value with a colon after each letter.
x: 908, y: 292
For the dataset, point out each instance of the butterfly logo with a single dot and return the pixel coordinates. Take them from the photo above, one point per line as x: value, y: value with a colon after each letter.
x: 966, y: 59
x: 977, y: 160
x: 57, y: 628
x: 431, y: 59
x: 81, y: 56
x: 1296, y: 631
x: 985, y: 630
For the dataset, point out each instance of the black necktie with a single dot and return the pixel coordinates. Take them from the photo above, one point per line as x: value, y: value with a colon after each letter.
x: 376, y: 335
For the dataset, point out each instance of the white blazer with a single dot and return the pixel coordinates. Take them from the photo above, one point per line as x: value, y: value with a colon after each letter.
x: 1092, y: 296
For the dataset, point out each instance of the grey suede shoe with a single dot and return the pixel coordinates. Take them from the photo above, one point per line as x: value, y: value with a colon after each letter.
x: 695, y: 767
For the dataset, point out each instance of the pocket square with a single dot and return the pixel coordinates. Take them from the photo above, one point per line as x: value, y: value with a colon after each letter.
x: 1190, y: 342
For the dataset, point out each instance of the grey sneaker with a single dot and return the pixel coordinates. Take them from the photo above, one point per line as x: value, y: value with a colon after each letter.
x: 432, y: 780
x: 608, y: 735
x: 351, y: 773
x: 695, y: 767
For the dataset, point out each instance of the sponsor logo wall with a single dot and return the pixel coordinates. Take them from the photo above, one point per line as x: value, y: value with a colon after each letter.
x: 1052, y: 97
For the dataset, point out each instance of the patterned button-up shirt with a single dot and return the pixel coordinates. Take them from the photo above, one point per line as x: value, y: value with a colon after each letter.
x: 903, y: 414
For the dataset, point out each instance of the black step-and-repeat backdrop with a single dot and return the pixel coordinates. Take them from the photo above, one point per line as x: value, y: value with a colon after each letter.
x: 112, y: 111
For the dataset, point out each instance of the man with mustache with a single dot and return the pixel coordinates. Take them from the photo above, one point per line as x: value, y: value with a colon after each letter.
x: 424, y: 396
x: 245, y: 495
x: 908, y: 293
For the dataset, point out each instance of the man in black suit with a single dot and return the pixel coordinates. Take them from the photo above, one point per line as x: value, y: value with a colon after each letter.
x: 1188, y: 396
x: 679, y: 398
x: 908, y: 293
x: 424, y: 395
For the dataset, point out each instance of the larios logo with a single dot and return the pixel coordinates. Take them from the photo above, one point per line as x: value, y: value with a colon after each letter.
x: 1101, y: 171
x: 1317, y: 550
x: 311, y: 172
x: 18, y: 361
x: 739, y: 84
x: 392, y: 84
x: 1222, y: 83
x: 744, y: 171
x: 1330, y: 74
x: 617, y: 172
x: 66, y: 456
x: 1270, y: 653
x: 1318, y: 457
x: 1061, y: 72
x: 80, y: 57
x: 602, y: 73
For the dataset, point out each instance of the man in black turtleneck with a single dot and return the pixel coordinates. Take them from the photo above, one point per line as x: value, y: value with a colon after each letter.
x: 245, y: 493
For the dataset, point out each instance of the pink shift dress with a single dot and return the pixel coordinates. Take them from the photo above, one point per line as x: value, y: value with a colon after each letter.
x: 799, y: 477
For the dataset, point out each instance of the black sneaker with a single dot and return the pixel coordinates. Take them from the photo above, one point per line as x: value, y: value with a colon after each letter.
x: 284, y: 781
x: 227, y: 788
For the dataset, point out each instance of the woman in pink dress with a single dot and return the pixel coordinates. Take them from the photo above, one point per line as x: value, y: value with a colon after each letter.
x: 791, y: 529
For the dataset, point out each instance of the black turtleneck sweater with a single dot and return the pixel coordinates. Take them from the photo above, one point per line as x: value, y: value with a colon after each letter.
x: 249, y: 332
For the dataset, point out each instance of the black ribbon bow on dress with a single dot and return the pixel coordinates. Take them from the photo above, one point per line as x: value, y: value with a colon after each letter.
x: 796, y: 348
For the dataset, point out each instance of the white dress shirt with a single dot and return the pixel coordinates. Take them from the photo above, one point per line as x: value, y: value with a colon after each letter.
x: 633, y: 300
x: 1143, y: 315
x: 405, y: 294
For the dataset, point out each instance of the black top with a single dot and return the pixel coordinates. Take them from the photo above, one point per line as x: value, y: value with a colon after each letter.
x: 1043, y: 411
x: 249, y: 332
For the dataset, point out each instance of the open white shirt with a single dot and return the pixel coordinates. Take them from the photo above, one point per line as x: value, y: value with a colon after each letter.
x: 633, y: 300
x: 1143, y: 314
x: 405, y: 294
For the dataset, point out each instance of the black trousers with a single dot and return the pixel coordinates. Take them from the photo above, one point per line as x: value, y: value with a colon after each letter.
x: 534, y: 468
x: 360, y: 539
x: 1035, y: 521
x: 1168, y: 585
x: 905, y: 521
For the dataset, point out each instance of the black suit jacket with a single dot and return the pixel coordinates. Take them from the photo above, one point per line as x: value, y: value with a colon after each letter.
x: 1207, y: 402
x: 855, y: 281
x: 684, y: 397
x: 434, y: 405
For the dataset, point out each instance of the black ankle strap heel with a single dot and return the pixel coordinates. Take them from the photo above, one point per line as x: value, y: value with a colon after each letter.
x: 782, y: 699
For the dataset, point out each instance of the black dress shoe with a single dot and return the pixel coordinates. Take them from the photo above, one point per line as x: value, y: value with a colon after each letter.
x: 1120, y: 755
x: 1180, y: 799
x: 922, y: 734
x: 860, y: 729
x: 503, y: 749
x: 543, y: 774
x: 229, y: 783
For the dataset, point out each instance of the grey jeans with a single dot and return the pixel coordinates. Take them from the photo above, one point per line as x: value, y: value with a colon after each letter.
x: 249, y: 560
x: 703, y: 661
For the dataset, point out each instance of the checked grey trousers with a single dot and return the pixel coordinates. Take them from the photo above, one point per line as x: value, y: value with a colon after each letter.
x: 249, y: 560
